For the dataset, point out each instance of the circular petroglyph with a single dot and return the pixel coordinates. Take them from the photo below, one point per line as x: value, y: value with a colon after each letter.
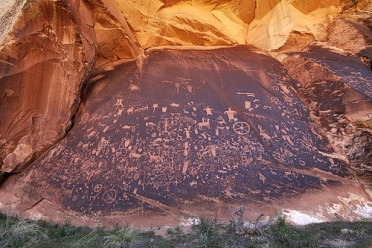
x: 103, y: 143
x: 109, y: 196
x: 241, y: 128
x: 274, y: 99
x: 97, y: 188
x: 275, y: 87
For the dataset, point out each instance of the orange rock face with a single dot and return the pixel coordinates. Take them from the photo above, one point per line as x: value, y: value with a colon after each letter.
x: 129, y: 107
x: 44, y: 59
x: 264, y: 24
x: 46, y: 55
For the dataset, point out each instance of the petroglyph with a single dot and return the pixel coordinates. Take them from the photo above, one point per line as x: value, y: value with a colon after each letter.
x: 241, y: 128
x: 119, y: 103
x: 84, y: 119
x: 98, y: 188
x: 231, y: 114
x: 109, y: 196
x: 204, y: 123
x: 181, y: 133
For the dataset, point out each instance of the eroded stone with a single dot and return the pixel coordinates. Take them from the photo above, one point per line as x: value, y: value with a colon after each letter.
x: 205, y: 126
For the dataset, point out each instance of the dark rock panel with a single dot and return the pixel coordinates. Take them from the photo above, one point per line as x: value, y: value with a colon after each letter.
x: 338, y: 89
x: 224, y: 124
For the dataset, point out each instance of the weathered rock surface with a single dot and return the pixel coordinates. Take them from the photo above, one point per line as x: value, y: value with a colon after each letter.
x: 149, y: 135
x: 66, y: 38
x: 50, y: 48
x: 339, y: 96
x: 42, y: 64
x: 264, y: 24
x: 205, y: 131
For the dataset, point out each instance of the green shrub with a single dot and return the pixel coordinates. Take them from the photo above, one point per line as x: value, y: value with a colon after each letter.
x: 23, y: 233
x: 119, y: 238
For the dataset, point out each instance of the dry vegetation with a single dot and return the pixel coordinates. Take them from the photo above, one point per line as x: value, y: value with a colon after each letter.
x: 15, y: 232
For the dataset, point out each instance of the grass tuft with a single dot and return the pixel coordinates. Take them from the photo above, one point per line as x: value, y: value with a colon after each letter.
x: 119, y: 238
x: 15, y: 232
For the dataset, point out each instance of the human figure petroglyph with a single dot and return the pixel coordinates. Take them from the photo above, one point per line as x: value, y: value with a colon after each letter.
x: 189, y: 88
x: 213, y: 150
x: 186, y: 149
x: 119, y: 103
x: 187, y: 133
x: 208, y: 110
x: 165, y: 127
x: 120, y: 111
x: 154, y: 107
x: 230, y: 114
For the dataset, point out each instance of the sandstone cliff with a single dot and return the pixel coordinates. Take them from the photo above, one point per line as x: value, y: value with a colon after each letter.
x: 48, y: 49
x: 176, y: 106
x: 264, y: 24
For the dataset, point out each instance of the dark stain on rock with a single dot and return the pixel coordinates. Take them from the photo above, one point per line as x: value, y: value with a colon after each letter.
x: 194, y: 126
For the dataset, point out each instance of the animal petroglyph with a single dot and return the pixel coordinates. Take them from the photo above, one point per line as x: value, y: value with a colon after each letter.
x: 204, y: 123
x: 177, y: 135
